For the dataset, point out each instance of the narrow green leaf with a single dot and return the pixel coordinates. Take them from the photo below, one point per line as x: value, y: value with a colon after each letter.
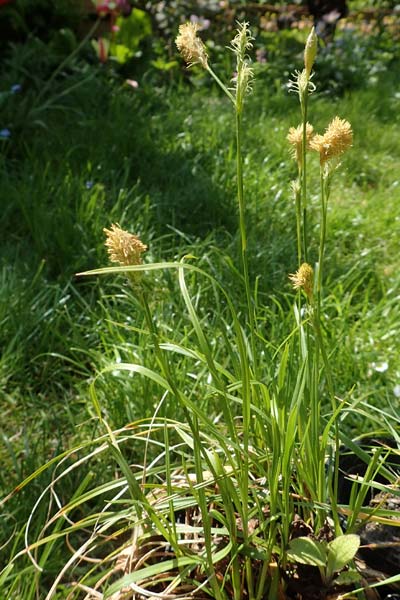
x: 388, y: 581
x: 5, y: 573
x: 283, y: 367
x: 152, y: 571
x: 133, y: 368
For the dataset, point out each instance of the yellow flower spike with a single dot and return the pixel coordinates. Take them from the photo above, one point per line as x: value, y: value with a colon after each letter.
x: 190, y: 46
x: 295, y: 138
x: 304, y: 279
x: 337, y: 138
x: 123, y: 247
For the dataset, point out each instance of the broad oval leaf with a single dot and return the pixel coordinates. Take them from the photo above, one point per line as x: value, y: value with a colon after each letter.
x: 306, y: 551
x: 341, y: 551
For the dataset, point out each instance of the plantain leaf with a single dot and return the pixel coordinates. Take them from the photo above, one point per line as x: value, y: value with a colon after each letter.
x: 306, y: 551
x: 341, y: 551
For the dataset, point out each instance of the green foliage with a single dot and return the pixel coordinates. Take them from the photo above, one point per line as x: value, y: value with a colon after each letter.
x: 329, y: 557
x: 42, y: 18
x: 351, y: 61
x: 354, y: 60
x: 131, y: 32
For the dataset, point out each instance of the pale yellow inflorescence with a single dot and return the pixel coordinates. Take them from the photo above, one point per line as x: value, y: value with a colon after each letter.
x: 337, y: 138
x: 295, y: 138
x: 123, y: 247
x: 191, y: 46
x: 242, y: 40
x: 244, y: 73
x: 304, y: 279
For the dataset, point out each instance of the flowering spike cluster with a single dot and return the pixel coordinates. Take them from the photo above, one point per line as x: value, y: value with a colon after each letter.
x: 295, y: 138
x: 301, y: 84
x: 244, y: 73
x: 242, y: 40
x: 335, y: 141
x: 190, y: 46
x: 123, y: 247
x: 243, y: 80
x: 304, y: 279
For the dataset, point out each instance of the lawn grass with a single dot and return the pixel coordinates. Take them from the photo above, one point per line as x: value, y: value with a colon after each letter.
x: 160, y: 162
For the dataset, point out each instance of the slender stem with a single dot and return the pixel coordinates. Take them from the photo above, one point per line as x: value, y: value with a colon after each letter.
x: 239, y: 172
x: 245, y: 370
x: 245, y: 373
x: 304, y: 103
x: 243, y: 235
x: 221, y: 85
x: 322, y: 239
x: 297, y: 194
x: 298, y: 218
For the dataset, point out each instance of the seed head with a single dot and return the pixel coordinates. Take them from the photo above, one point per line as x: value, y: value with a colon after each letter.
x: 295, y: 138
x: 191, y: 46
x: 123, y: 247
x: 304, y: 279
x: 335, y: 141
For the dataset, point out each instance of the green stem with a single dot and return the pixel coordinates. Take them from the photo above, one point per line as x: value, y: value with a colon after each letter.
x: 243, y: 235
x: 239, y: 172
x: 221, y: 85
x: 322, y: 239
x: 244, y: 484
x: 298, y: 219
x: 303, y: 104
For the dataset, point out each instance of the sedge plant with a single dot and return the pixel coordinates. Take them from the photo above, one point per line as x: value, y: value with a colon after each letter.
x: 279, y: 425
x: 212, y: 506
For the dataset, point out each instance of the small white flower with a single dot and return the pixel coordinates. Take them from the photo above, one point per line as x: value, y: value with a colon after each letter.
x: 380, y: 367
